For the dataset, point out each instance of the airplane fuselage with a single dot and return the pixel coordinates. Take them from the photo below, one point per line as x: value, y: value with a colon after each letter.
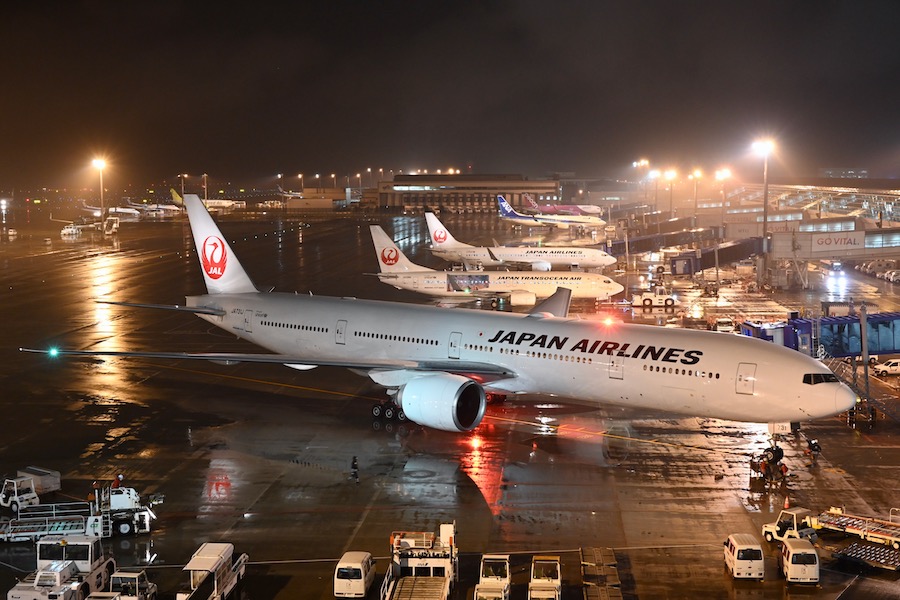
x: 470, y: 283
x: 680, y: 371
x: 587, y: 258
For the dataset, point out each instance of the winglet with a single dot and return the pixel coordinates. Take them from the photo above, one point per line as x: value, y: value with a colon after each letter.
x: 556, y: 305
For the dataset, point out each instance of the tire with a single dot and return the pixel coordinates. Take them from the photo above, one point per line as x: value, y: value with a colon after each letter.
x: 123, y: 527
x: 14, y: 506
x: 669, y: 302
x: 769, y: 537
x: 389, y: 412
x: 647, y: 302
x: 83, y: 592
x: 401, y: 416
x: 377, y: 410
x: 881, y: 373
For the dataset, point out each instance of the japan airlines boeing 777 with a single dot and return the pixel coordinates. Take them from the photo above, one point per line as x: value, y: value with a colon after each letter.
x: 508, y: 213
x: 536, y: 258
x: 441, y: 362
x: 522, y: 287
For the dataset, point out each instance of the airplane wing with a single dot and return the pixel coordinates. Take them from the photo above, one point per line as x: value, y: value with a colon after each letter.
x: 197, y: 310
x: 484, y: 371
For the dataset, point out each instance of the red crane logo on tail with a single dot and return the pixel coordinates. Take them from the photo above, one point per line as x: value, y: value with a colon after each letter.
x: 213, y: 256
x: 390, y: 256
x: 440, y: 236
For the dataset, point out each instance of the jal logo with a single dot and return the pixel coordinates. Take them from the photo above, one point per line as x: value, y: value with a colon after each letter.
x: 390, y: 256
x: 440, y: 236
x: 213, y: 256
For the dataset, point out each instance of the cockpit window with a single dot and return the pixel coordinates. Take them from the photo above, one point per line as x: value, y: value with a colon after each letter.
x: 814, y: 378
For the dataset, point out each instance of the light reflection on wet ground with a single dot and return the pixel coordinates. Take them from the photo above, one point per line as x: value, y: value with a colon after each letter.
x: 259, y: 455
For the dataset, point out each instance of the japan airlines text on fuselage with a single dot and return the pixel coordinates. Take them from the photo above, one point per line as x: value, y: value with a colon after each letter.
x: 441, y: 361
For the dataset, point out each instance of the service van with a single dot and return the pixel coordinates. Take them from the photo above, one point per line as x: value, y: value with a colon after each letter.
x: 354, y: 575
x: 799, y: 561
x: 744, y: 556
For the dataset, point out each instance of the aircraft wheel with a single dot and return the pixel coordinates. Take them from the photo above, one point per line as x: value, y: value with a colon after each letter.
x: 377, y: 410
x: 401, y: 416
x: 376, y: 425
x: 389, y: 412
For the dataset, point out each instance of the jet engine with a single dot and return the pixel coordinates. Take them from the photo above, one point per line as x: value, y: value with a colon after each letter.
x: 522, y: 298
x: 443, y: 401
x: 541, y: 265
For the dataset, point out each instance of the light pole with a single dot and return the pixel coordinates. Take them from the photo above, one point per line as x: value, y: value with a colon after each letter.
x: 696, y: 175
x: 205, y: 188
x: 301, y: 182
x: 359, y: 179
x: 317, y: 183
x: 333, y: 180
x: 670, y: 177
x: 764, y: 148
x: 722, y: 175
x: 638, y: 164
x: 182, y: 176
x: 100, y: 164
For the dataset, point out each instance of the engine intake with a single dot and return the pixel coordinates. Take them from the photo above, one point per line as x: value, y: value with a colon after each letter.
x: 443, y: 401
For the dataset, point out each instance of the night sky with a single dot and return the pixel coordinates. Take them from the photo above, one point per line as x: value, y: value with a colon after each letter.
x: 525, y: 87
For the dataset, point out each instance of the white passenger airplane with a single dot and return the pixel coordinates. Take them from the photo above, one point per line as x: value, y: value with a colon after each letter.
x: 522, y: 287
x: 537, y: 258
x: 508, y: 213
x: 562, y: 209
x: 442, y: 362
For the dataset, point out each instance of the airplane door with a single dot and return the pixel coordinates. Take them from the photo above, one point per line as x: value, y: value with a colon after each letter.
x: 340, y: 332
x: 616, y: 367
x: 746, y: 377
x: 248, y: 320
x: 453, y: 348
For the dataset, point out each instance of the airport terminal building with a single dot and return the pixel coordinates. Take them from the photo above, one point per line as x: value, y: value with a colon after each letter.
x: 462, y: 193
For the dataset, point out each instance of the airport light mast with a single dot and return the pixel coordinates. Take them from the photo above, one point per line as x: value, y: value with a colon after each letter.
x: 695, y: 176
x: 764, y: 148
x: 670, y: 177
x: 100, y: 164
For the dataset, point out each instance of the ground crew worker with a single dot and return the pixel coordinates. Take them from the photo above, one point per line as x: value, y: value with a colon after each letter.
x: 117, y: 481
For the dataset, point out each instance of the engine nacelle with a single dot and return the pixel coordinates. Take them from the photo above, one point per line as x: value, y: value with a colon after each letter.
x: 443, y: 401
x: 522, y: 298
x: 541, y: 265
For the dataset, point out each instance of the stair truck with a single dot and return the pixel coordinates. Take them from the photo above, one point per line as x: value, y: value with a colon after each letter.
x: 70, y: 566
x: 494, y: 578
x: 546, y: 581
x: 423, y: 566
x: 215, y: 571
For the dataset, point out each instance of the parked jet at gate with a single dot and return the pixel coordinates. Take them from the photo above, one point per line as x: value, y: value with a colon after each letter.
x: 562, y: 209
x: 441, y: 362
x: 508, y: 213
x: 522, y: 287
x: 537, y: 258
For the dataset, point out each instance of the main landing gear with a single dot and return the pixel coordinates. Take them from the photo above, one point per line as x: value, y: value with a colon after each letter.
x: 388, y: 410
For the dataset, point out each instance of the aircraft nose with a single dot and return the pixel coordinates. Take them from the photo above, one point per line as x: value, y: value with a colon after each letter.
x: 844, y: 399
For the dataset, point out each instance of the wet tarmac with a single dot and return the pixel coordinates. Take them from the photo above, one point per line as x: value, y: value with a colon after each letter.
x: 259, y: 455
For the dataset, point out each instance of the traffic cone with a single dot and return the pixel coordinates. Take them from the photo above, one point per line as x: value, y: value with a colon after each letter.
x: 787, y: 503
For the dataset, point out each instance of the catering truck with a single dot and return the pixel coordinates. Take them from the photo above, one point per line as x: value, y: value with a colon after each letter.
x: 215, y: 571
x: 546, y: 580
x: 423, y: 566
x: 494, y: 579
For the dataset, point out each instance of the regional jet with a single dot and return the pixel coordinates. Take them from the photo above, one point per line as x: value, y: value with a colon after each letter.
x: 508, y: 213
x: 521, y: 287
x: 535, y: 258
x: 442, y: 362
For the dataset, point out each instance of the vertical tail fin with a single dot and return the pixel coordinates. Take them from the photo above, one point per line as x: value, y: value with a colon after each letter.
x: 506, y: 210
x: 530, y: 199
x: 176, y: 199
x: 390, y: 258
x: 440, y: 235
x: 222, y: 271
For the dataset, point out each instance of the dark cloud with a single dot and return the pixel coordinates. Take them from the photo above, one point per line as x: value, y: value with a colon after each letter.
x: 517, y: 86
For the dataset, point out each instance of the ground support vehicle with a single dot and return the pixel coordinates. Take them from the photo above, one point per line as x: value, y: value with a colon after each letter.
x: 133, y: 585
x: 657, y: 297
x: 18, y: 493
x: 791, y: 523
x: 111, y: 512
x: 74, y: 563
x: 867, y: 528
x: 546, y: 581
x: 423, y: 566
x: 215, y: 572
x: 494, y: 579
x: 873, y: 555
x: 888, y: 367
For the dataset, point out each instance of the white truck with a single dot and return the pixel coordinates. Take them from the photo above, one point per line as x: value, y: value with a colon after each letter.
x: 546, y: 581
x: 133, y: 585
x: 494, y: 579
x: 423, y: 566
x: 111, y: 511
x: 791, y: 523
x: 658, y: 297
x: 68, y: 568
x: 215, y: 571
x: 18, y: 493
